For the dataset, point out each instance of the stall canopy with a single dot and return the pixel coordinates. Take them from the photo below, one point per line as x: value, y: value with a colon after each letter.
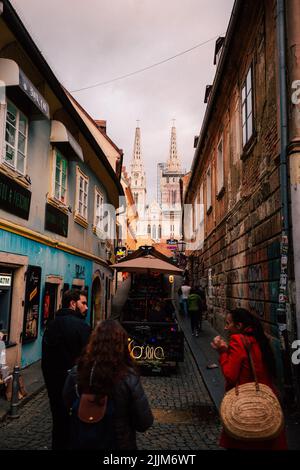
x: 63, y: 139
x: 147, y: 264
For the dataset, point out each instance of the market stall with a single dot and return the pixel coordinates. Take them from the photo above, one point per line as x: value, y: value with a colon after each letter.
x: 155, y: 339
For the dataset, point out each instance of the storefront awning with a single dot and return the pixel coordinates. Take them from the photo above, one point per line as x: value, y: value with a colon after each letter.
x: 12, y: 77
x: 64, y: 141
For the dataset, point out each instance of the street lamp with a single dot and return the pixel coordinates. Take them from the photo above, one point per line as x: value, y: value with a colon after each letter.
x: 181, y: 245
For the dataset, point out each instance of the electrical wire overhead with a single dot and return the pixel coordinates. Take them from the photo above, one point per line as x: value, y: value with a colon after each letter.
x: 145, y: 68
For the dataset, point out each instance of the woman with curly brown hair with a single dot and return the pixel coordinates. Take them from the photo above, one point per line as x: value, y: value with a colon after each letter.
x: 106, y: 372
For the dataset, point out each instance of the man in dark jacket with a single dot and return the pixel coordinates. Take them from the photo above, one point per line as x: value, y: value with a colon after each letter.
x: 64, y: 339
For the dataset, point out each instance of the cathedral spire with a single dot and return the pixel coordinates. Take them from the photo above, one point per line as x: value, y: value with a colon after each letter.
x: 174, y: 161
x: 137, y: 173
x: 137, y: 143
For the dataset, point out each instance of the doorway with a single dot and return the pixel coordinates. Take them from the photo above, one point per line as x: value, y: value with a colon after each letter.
x: 96, y: 301
x: 6, y: 282
x: 50, y: 301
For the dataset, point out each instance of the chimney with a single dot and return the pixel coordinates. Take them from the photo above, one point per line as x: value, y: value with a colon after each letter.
x: 101, y: 125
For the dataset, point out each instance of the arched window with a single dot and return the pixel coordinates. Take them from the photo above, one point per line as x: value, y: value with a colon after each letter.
x: 136, y: 198
x: 149, y: 229
x: 154, y: 232
x: 159, y: 231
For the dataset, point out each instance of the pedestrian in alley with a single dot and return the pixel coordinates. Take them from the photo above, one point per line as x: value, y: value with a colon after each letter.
x: 185, y: 292
x: 106, y: 373
x: 64, y: 339
x: 243, y: 327
x: 195, y: 312
x: 179, y: 292
x: 202, y: 305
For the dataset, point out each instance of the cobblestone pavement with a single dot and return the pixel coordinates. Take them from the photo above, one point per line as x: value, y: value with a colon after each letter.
x: 185, y: 418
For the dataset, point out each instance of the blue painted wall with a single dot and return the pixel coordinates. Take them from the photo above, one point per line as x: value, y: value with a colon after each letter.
x: 52, y: 262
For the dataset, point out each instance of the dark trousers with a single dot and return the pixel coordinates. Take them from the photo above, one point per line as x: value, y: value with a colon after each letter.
x: 60, y: 414
x: 60, y: 425
x: 194, y: 314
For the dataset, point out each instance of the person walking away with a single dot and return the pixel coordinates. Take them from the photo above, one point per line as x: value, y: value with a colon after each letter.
x: 194, y: 307
x: 202, y: 306
x: 106, y: 372
x: 179, y: 292
x: 185, y: 289
x: 243, y: 326
x: 202, y: 294
x: 64, y: 338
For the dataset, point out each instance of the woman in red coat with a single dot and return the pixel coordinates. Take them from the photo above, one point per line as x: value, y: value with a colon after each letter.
x: 236, y: 368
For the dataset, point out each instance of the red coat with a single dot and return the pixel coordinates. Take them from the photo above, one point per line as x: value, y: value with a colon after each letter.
x: 236, y: 368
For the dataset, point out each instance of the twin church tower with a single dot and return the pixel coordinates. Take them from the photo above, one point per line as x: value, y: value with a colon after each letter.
x: 161, y: 219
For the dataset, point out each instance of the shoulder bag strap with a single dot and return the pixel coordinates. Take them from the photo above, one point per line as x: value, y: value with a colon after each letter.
x: 248, y: 349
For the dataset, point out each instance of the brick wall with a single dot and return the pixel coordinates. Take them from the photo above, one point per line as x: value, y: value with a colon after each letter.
x: 240, y: 258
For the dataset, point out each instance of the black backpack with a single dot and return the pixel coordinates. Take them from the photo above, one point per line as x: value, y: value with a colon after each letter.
x: 98, y: 435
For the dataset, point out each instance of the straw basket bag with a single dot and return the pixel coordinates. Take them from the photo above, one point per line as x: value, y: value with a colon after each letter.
x: 251, y: 412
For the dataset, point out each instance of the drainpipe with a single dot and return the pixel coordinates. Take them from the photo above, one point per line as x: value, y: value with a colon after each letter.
x: 293, y: 49
x: 285, y: 238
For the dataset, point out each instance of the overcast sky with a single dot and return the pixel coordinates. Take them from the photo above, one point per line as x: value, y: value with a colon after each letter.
x: 98, y: 40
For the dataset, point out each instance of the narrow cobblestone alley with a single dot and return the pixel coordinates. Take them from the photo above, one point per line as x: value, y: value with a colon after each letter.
x: 185, y: 418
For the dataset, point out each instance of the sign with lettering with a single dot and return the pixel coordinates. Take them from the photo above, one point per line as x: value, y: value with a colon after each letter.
x: 172, y: 241
x: 56, y: 221
x: 79, y: 271
x: 14, y: 198
x: 146, y: 352
x: 120, y: 252
x: 172, y: 244
x: 154, y: 344
x: 5, y: 281
x: 33, y: 94
x: 32, y: 304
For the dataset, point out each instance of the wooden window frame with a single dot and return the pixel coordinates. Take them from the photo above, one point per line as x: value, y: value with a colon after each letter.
x: 4, y: 143
x: 78, y: 216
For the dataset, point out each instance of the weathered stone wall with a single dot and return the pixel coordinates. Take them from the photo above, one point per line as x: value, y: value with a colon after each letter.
x: 240, y: 258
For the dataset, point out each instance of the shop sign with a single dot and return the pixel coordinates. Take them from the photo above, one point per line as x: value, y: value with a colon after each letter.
x: 5, y: 281
x: 56, y: 221
x: 33, y: 94
x: 120, y: 252
x: 154, y: 344
x: 146, y: 352
x: 32, y: 303
x: 171, y: 279
x: 172, y: 244
x: 14, y: 198
x: 172, y: 241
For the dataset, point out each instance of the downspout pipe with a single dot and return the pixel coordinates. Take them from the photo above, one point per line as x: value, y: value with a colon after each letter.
x: 284, y: 192
x: 281, y: 35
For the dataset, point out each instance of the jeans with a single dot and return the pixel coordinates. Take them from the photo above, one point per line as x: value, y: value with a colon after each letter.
x: 185, y: 307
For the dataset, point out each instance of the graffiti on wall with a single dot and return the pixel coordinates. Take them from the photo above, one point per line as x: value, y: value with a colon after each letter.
x: 256, y: 290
